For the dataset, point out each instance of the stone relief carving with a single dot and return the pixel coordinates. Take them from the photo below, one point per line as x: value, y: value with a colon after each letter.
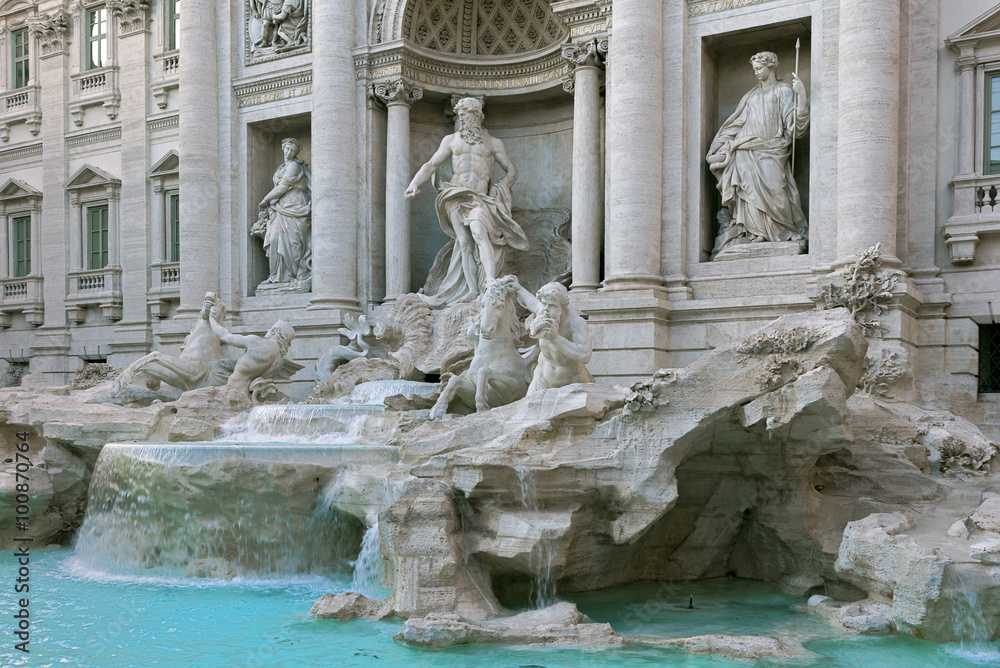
x: 355, y: 329
x: 499, y: 374
x: 200, y: 363
x: 751, y: 158
x: 645, y: 396
x: 398, y: 90
x: 264, y: 361
x: 277, y: 27
x: 471, y: 209
x: 564, y: 346
x: 882, y: 370
x: 133, y: 15
x: 52, y: 32
x: 860, y: 287
x: 284, y: 223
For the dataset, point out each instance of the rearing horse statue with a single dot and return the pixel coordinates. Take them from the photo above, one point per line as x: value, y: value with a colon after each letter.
x: 499, y: 374
x: 200, y: 363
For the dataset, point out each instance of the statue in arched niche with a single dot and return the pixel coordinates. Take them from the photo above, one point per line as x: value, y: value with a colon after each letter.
x: 284, y: 223
x: 751, y: 157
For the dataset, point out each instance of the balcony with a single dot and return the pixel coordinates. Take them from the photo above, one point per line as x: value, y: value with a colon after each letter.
x: 95, y: 88
x: 21, y: 105
x: 21, y: 294
x: 166, y: 288
x: 977, y: 213
x: 167, y: 76
x: 95, y: 288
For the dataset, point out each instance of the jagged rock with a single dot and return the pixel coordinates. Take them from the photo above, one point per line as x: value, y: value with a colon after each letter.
x: 559, y: 624
x: 739, y: 648
x: 350, y: 606
x: 866, y: 616
x: 959, y: 529
x: 987, y: 515
x: 190, y: 429
x: 987, y: 551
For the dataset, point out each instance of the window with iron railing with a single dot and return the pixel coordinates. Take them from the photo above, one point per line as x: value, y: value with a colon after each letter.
x: 989, y: 358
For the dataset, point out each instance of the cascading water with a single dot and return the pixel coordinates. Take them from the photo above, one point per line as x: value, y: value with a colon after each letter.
x: 970, y: 620
x: 543, y: 586
x: 377, y: 391
x: 248, y: 504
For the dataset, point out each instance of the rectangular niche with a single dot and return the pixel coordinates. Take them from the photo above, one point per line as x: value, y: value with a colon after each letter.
x: 727, y: 76
x: 264, y: 156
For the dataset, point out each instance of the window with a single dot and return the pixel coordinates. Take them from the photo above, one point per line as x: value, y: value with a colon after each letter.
x: 989, y: 358
x: 22, y: 245
x: 19, y: 40
x: 97, y: 37
x: 174, y: 23
x: 174, y: 221
x: 97, y: 237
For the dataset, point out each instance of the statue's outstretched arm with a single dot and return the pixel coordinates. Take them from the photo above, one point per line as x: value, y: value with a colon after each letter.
x: 226, y: 336
x: 440, y: 157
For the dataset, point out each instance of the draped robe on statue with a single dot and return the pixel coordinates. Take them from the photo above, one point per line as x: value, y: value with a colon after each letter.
x: 288, y: 241
x: 502, y: 229
x: 755, y: 173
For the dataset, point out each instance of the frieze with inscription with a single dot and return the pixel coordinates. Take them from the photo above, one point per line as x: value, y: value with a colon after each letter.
x: 273, y: 96
x: 701, y: 7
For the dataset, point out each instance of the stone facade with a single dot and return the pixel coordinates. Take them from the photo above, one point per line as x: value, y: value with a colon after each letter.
x: 608, y: 109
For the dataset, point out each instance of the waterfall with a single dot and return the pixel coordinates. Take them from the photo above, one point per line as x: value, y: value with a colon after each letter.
x: 299, y: 423
x: 369, y: 567
x: 220, y: 510
x: 971, y: 621
x: 542, y: 557
x: 377, y: 391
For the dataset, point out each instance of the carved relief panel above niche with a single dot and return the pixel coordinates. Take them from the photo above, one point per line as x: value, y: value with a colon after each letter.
x: 276, y: 28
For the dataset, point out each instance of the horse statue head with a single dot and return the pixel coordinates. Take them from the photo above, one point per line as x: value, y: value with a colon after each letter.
x: 498, y: 311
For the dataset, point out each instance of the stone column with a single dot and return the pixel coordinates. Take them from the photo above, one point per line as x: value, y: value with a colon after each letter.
x: 50, y: 347
x: 114, y: 223
x: 132, y: 337
x: 335, y: 176
x: 75, y: 232
x: 966, y: 67
x: 868, y: 128
x: 588, y: 179
x: 36, y: 235
x: 199, y: 146
x: 635, y: 136
x: 158, y: 219
x: 398, y: 96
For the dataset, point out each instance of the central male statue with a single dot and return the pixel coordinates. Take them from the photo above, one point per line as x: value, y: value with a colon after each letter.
x: 470, y: 210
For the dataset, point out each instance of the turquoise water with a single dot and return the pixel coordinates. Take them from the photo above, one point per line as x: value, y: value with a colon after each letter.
x: 86, y: 620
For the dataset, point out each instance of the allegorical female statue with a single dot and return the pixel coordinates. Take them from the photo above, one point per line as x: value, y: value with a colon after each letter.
x: 751, y: 157
x: 284, y: 223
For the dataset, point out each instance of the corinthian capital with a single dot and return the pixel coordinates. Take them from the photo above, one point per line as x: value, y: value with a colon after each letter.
x: 133, y: 15
x: 52, y: 33
x: 583, y: 54
x: 398, y: 91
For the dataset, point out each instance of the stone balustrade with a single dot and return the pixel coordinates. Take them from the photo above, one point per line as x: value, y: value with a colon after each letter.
x: 20, y: 105
x: 95, y: 288
x: 166, y: 288
x: 21, y: 294
x: 93, y: 88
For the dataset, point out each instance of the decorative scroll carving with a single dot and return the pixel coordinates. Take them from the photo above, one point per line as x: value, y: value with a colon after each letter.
x: 133, y: 15
x: 52, y: 33
x: 399, y: 90
x: 581, y: 54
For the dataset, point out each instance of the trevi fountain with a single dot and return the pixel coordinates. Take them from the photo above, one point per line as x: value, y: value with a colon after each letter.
x: 306, y: 461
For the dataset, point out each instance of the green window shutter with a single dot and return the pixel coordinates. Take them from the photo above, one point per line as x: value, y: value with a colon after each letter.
x: 22, y: 246
x: 97, y: 38
x: 19, y: 41
x: 175, y: 23
x: 97, y: 237
x: 175, y: 228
